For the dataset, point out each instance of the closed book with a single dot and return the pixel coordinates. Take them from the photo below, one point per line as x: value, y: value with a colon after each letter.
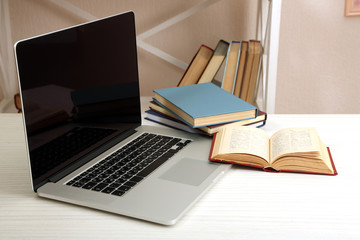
x: 241, y: 68
x: 215, y: 62
x: 204, y: 104
x: 254, y: 72
x: 196, y: 66
x: 248, y: 69
x: 165, y: 120
x: 231, y: 66
x: 161, y: 115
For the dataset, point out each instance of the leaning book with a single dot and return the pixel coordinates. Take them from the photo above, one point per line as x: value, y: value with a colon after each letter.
x: 288, y: 150
x: 196, y: 66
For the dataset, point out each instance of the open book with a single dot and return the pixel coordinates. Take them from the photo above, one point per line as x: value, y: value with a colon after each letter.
x: 290, y: 150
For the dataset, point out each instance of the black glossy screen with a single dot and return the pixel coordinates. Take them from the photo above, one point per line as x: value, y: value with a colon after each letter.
x: 80, y: 89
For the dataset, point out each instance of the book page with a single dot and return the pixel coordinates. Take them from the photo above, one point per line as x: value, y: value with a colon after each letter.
x: 293, y: 140
x: 248, y: 140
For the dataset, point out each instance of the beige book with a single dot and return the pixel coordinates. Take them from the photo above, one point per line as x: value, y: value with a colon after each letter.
x: 241, y: 68
x: 197, y: 66
x: 215, y: 62
x: 254, y: 72
x: 248, y: 68
x: 231, y: 66
x: 290, y: 150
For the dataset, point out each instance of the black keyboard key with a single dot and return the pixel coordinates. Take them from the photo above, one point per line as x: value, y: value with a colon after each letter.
x: 169, y: 154
x: 134, y: 171
x: 128, y: 175
x: 120, y: 180
x: 130, y: 184
x: 174, y: 141
x: 126, y: 168
x: 115, y: 185
x: 99, y: 187
x: 71, y: 182
x: 124, y: 188
x: 108, y: 190
x: 108, y: 180
x: 78, y: 177
x: 149, y: 169
x: 91, y: 175
x: 96, y: 172
x: 84, y: 180
x: 121, y: 171
x: 89, y: 185
x: 120, y: 164
x: 109, y: 171
x: 187, y: 142
x: 103, y: 175
x: 77, y: 184
x: 114, y: 176
x: 132, y: 164
x: 136, y: 179
x: 118, y: 193
x: 98, y: 179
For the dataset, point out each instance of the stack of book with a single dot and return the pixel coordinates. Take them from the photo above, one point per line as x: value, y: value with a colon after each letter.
x: 199, y: 96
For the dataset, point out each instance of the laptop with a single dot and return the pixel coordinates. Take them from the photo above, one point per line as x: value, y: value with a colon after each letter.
x: 85, y: 139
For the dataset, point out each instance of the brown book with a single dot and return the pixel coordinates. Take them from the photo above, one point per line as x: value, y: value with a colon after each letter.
x: 215, y: 62
x: 241, y: 68
x: 196, y: 66
x: 254, y: 72
x: 231, y: 66
x: 289, y: 150
x: 248, y: 68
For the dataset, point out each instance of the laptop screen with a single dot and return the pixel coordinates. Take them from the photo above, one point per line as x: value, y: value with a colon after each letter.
x: 80, y: 90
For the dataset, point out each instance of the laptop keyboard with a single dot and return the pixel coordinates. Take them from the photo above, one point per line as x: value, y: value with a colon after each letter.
x: 125, y: 168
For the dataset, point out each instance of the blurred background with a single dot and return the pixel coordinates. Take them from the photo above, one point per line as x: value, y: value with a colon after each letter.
x: 318, y: 65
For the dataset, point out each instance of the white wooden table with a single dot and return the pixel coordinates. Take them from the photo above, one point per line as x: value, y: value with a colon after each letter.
x: 245, y: 204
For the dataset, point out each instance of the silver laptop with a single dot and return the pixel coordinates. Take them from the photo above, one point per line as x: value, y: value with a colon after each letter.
x: 86, y: 144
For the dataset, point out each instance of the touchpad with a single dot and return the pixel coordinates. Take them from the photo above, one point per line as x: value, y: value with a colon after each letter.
x: 189, y: 171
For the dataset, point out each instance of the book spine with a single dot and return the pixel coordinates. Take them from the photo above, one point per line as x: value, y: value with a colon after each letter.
x: 236, y: 68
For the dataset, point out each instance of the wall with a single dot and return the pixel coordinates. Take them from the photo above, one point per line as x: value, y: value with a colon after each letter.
x: 318, y: 55
x: 226, y: 19
x: 319, y: 58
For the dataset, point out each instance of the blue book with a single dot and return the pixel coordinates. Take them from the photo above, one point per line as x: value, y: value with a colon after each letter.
x: 204, y: 104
